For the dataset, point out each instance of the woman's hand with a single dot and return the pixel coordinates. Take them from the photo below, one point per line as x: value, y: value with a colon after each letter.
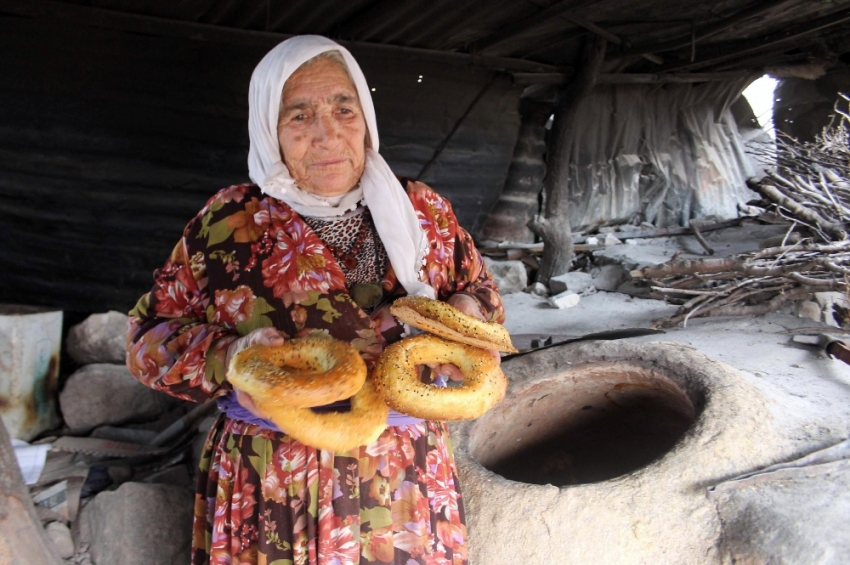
x: 469, y: 306
x: 262, y: 336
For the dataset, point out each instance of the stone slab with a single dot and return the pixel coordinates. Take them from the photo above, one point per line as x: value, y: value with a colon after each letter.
x: 100, y: 338
x: 104, y: 393
x: 139, y: 524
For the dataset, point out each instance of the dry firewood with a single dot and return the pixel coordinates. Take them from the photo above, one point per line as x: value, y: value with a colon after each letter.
x: 809, y: 186
x: 701, y: 239
x: 765, y: 307
x: 806, y: 214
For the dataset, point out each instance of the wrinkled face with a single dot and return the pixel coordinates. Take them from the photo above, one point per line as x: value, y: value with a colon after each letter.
x: 322, y: 130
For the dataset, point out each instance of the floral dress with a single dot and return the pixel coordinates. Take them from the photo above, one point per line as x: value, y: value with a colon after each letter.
x: 248, y: 261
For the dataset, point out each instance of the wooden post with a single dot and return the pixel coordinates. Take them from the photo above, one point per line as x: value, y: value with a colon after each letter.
x: 22, y: 539
x: 553, y: 226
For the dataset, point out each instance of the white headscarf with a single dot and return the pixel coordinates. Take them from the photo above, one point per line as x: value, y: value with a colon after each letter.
x: 392, y: 212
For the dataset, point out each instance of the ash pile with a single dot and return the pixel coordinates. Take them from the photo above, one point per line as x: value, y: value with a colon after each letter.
x: 115, y: 484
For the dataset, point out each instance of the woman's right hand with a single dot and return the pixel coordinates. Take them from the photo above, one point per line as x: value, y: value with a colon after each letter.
x: 261, y: 336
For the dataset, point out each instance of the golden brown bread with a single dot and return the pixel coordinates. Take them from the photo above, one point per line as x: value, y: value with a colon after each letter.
x: 303, y: 372
x: 444, y: 320
x: 397, y: 379
x: 335, y: 431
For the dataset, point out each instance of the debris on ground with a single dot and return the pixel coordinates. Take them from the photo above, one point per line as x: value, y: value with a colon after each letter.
x: 115, y: 483
x: 789, y: 247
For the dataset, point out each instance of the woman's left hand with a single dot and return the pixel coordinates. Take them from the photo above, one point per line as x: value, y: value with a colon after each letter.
x: 469, y: 306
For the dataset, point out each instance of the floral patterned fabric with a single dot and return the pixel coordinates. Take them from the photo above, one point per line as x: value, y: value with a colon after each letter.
x: 248, y: 261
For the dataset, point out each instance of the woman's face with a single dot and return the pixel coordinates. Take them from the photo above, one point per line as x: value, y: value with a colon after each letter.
x: 322, y: 130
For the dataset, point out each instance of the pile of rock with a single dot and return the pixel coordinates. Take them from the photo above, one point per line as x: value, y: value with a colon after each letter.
x: 132, y: 452
x: 564, y: 291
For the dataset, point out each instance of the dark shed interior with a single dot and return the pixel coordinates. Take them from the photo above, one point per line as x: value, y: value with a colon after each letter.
x: 119, y: 118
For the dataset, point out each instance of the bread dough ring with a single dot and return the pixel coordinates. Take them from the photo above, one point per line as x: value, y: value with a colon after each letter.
x: 335, y: 431
x: 303, y: 372
x: 444, y: 320
x: 398, y: 381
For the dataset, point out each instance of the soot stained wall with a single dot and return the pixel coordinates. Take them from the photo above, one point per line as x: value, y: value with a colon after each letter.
x: 110, y: 142
x: 802, y: 108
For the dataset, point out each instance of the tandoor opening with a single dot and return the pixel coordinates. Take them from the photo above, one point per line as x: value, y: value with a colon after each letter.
x: 585, y: 426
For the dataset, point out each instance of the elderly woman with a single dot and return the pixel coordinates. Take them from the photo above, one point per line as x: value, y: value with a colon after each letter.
x: 323, y: 241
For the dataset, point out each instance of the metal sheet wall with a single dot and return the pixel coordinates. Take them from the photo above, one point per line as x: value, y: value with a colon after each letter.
x: 110, y: 142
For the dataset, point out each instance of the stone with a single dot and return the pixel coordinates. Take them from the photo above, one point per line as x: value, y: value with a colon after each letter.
x: 510, y: 276
x: 565, y: 300
x: 611, y: 239
x: 575, y: 281
x: 634, y: 288
x: 103, y: 393
x: 537, y: 289
x: 609, y: 277
x: 177, y: 475
x: 60, y: 535
x: 119, y: 474
x: 139, y: 524
x: 809, y: 309
x: 100, y: 338
x: 835, y: 308
x: 591, y: 241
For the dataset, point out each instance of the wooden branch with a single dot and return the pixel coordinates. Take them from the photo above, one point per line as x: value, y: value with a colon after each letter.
x: 631, y: 78
x: 730, y: 308
x: 607, y: 35
x: 729, y: 50
x: 706, y: 31
x: 701, y: 239
x: 759, y: 282
x: 667, y: 232
x: 163, y: 27
x: 743, y: 265
x: 807, y: 215
x: 764, y: 308
x: 688, y: 267
x: 523, y: 26
x: 593, y: 28
x: 670, y: 78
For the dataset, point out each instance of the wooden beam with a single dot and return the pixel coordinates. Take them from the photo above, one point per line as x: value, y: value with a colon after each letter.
x: 151, y: 25
x: 612, y: 37
x: 731, y: 50
x: 523, y: 26
x: 419, y: 19
x: 553, y: 225
x: 632, y: 78
x: 555, y: 43
x: 706, y: 31
x: 443, y: 27
x: 373, y: 19
x: 684, y: 78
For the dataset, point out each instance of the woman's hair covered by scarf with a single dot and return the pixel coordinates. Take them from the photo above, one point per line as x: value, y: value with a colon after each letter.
x: 266, y: 88
x: 392, y: 212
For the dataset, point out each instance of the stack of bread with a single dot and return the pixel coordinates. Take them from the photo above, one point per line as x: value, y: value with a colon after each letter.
x: 286, y: 382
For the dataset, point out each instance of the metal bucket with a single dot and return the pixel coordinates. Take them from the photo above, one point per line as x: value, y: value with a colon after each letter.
x: 30, y: 345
